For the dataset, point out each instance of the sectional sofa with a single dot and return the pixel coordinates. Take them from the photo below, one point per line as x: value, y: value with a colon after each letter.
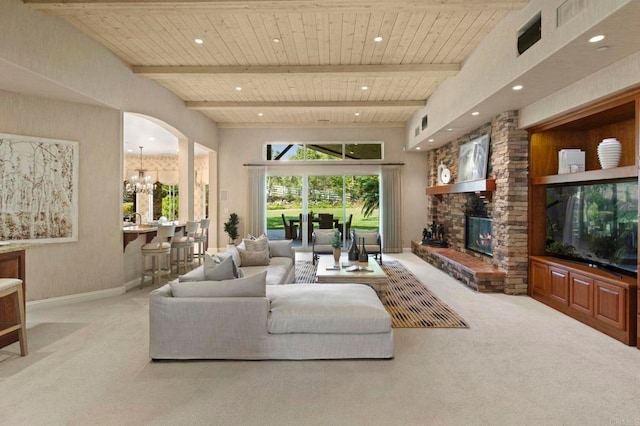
x: 255, y: 317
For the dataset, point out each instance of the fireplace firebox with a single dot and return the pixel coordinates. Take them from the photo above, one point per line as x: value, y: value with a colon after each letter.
x: 479, y: 234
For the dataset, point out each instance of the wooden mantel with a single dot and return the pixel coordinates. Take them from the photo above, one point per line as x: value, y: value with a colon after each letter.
x: 483, y: 186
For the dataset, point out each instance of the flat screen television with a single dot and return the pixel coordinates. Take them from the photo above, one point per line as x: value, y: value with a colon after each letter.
x: 596, y: 224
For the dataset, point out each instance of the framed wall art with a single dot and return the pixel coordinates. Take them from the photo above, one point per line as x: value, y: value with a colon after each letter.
x: 38, y: 189
x: 472, y: 161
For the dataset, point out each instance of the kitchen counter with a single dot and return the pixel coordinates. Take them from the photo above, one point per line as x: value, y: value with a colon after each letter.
x: 132, y: 232
x: 8, y: 247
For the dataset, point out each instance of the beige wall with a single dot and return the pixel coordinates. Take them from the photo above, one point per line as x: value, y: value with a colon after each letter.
x: 72, y: 88
x: 94, y: 262
x: 240, y: 146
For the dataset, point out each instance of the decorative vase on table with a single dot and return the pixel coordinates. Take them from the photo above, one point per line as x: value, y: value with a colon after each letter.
x: 363, y: 256
x: 354, y: 252
x: 336, y: 256
x: 609, y: 152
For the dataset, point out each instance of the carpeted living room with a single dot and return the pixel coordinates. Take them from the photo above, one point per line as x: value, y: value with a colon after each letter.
x: 484, y: 152
x: 517, y: 362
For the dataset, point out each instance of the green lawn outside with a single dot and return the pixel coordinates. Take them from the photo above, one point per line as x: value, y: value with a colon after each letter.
x: 274, y: 217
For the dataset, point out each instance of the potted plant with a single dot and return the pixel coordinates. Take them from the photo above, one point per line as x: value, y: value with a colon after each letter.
x: 336, y: 243
x: 231, y: 227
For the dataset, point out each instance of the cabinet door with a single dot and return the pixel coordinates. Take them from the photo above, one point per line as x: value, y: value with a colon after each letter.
x: 581, y: 293
x: 559, y: 285
x: 539, y: 278
x: 610, y: 303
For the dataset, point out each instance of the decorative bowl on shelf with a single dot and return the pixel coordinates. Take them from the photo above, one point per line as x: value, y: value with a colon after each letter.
x: 609, y: 152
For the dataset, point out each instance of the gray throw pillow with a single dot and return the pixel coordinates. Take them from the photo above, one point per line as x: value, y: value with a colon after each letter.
x: 282, y: 248
x: 254, y: 258
x: 195, y: 275
x: 218, y: 271
x: 221, y: 256
x: 233, y: 251
x: 251, y: 286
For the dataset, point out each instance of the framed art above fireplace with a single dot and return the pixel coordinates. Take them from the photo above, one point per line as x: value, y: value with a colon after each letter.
x: 472, y: 160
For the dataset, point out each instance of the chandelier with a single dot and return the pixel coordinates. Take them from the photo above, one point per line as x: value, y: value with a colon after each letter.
x: 140, y: 183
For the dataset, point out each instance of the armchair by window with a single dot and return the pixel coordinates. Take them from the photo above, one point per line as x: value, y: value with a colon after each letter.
x: 321, y: 243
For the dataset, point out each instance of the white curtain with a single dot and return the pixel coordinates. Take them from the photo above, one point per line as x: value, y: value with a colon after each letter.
x: 390, y: 205
x: 256, y: 205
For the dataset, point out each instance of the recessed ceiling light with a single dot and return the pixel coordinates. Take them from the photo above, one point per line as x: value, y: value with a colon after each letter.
x: 198, y: 41
x: 357, y: 114
x: 430, y: 140
x: 377, y: 39
x: 276, y: 40
x: 260, y: 114
x: 596, y: 39
x: 238, y: 88
x: 418, y: 148
x: 449, y: 130
x: 365, y: 87
x: 517, y: 87
x: 602, y: 48
x: 475, y: 113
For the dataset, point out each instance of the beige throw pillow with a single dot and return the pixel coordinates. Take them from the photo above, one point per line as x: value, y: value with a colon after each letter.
x: 254, y: 258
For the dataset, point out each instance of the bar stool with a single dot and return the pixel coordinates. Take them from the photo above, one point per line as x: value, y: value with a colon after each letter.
x: 9, y: 286
x: 201, y: 239
x: 158, y: 248
x: 184, y: 243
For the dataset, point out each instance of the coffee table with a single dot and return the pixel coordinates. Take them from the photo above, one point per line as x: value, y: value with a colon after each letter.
x: 376, y: 279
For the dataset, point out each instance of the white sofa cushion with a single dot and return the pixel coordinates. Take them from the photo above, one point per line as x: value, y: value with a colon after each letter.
x: 277, y: 270
x: 252, y: 286
x: 326, y: 308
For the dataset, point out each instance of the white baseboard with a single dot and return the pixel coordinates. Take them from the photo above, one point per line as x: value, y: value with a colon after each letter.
x: 75, y: 298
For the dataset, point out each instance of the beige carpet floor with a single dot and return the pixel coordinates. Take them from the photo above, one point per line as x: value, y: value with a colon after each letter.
x: 519, y: 363
x: 409, y: 302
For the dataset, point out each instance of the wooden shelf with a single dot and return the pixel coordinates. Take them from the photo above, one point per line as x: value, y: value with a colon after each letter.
x: 486, y: 185
x: 588, y: 176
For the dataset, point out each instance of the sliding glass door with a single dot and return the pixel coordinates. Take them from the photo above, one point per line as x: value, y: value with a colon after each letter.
x: 296, y: 205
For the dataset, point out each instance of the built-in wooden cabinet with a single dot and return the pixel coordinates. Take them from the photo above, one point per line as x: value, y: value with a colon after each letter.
x: 559, y: 285
x: 593, y: 296
x: 581, y: 293
x: 603, y: 301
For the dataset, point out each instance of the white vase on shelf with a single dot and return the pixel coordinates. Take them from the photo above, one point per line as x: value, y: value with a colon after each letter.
x: 609, y: 152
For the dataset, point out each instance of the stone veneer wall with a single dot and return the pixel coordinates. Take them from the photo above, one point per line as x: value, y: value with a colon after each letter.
x: 509, y: 166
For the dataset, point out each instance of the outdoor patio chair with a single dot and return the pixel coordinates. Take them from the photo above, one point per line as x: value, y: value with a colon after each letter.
x: 290, y: 229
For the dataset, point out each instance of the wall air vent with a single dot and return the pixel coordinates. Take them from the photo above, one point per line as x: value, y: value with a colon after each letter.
x: 425, y: 122
x: 530, y: 34
x: 567, y: 10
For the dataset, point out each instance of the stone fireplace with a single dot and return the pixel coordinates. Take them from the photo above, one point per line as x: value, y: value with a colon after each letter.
x: 506, y: 207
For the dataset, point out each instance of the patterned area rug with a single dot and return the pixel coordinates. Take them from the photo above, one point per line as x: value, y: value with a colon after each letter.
x: 409, y: 302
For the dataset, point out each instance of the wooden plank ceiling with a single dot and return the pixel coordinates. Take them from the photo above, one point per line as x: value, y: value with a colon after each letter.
x: 291, y: 62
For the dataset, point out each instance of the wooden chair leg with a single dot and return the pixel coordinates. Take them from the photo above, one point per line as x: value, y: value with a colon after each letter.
x: 22, y: 332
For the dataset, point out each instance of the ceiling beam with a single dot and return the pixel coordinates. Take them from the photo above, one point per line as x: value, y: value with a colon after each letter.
x: 230, y: 125
x: 426, y: 70
x: 73, y: 7
x: 207, y: 105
